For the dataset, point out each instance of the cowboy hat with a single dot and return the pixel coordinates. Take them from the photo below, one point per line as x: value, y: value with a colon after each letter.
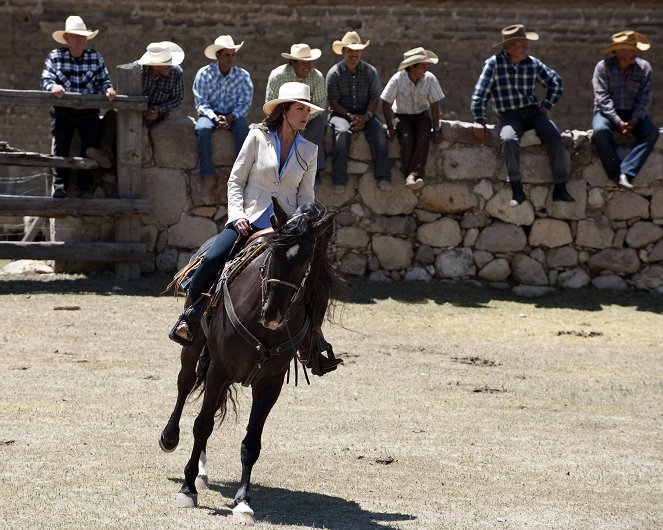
x: 302, y: 52
x: 291, y: 92
x: 75, y: 25
x: 416, y: 56
x: 628, y: 40
x: 164, y: 53
x: 517, y: 31
x: 350, y: 40
x: 224, y: 41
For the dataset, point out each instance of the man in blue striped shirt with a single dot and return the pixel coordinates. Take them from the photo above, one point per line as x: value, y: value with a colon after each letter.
x: 509, y: 78
x: 74, y: 68
x: 622, y: 89
x: 222, y: 93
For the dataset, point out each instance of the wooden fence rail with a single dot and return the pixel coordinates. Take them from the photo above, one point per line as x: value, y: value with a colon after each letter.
x: 17, y: 205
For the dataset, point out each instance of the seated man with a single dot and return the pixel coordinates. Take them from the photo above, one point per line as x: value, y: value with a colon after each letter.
x: 510, y: 78
x: 353, y: 88
x: 222, y: 94
x: 300, y: 69
x: 163, y: 84
x: 622, y: 89
x: 74, y: 68
x: 414, y: 95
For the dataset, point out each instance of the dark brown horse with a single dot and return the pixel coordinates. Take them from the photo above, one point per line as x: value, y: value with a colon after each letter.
x: 277, y: 301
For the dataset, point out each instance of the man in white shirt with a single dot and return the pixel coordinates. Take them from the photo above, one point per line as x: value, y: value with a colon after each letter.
x: 413, y: 95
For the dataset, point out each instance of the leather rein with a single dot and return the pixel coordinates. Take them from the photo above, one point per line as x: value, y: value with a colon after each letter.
x: 266, y: 352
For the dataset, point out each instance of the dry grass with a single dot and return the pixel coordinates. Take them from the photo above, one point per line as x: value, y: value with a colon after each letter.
x: 458, y: 407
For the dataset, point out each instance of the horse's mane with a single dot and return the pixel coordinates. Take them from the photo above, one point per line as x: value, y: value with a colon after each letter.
x: 322, y: 284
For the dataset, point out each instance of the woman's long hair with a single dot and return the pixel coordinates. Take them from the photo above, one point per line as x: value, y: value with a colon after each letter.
x: 274, y: 122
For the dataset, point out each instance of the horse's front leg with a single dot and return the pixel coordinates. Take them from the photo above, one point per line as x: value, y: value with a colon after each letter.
x: 170, y: 435
x: 265, y: 394
x: 187, y: 497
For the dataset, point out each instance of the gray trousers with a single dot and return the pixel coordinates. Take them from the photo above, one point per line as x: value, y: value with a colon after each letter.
x: 315, y: 133
x: 512, y: 125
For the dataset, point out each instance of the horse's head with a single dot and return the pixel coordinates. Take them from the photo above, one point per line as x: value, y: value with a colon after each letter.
x: 292, y: 248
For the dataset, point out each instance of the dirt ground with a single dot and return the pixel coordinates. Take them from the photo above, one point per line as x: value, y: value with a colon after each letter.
x: 457, y: 407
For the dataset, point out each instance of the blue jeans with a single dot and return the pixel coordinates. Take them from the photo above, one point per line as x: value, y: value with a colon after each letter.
x: 315, y: 132
x: 512, y: 125
x: 377, y: 141
x: 64, y: 122
x: 645, y: 132
x: 215, y: 258
x: 204, y: 128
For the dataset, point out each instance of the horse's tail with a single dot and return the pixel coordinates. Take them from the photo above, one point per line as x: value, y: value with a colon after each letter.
x: 228, y: 390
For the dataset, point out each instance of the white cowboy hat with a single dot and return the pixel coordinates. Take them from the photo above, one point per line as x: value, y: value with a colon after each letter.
x: 164, y: 53
x: 302, y: 52
x: 295, y: 92
x: 350, y: 40
x: 224, y: 41
x: 517, y: 31
x: 75, y: 25
x: 628, y: 40
x: 416, y: 56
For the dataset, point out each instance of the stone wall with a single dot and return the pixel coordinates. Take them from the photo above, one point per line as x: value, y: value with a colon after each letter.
x: 461, y: 32
x: 460, y: 225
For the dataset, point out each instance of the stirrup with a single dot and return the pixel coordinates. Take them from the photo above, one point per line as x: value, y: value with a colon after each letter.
x: 174, y: 333
x: 314, y: 359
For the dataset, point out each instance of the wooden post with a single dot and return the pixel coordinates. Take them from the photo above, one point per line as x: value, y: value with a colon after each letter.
x: 129, y: 161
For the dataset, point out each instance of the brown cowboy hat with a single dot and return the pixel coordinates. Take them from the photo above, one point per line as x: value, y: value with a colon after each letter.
x: 515, y: 32
x: 628, y: 40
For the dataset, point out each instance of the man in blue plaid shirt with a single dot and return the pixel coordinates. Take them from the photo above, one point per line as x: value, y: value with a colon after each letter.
x: 509, y: 78
x: 74, y: 68
x: 222, y: 93
x: 622, y: 89
x: 163, y: 80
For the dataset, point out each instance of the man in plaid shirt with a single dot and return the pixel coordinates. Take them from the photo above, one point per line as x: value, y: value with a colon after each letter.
x: 222, y: 93
x: 510, y: 78
x: 300, y: 69
x: 74, y: 68
x: 353, y: 89
x: 622, y: 89
x: 163, y: 80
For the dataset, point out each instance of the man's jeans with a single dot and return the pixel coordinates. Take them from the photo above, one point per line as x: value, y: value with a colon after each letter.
x: 413, y: 131
x: 204, y: 128
x: 315, y: 133
x: 513, y: 124
x: 377, y: 141
x: 646, y: 134
x: 64, y: 122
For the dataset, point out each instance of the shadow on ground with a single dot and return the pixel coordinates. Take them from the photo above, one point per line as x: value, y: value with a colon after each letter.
x: 457, y: 293
x: 304, y: 508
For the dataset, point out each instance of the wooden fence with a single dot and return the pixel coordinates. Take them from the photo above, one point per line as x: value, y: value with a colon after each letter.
x: 127, y: 251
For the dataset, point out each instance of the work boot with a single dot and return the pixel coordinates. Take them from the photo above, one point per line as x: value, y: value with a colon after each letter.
x: 560, y: 194
x: 184, y: 330
x: 517, y: 193
x: 310, y: 355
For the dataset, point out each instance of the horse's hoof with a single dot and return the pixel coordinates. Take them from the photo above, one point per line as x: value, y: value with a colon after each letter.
x: 243, y: 514
x: 168, y: 446
x: 202, y: 482
x: 186, y: 500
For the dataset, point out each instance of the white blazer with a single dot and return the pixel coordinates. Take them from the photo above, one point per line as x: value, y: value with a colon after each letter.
x: 254, y: 178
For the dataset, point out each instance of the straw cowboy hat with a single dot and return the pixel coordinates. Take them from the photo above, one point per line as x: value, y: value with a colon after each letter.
x: 75, y: 25
x: 224, y: 41
x: 416, y: 56
x: 517, y: 31
x: 628, y: 40
x: 302, y: 52
x: 350, y: 40
x: 291, y: 92
x: 164, y: 53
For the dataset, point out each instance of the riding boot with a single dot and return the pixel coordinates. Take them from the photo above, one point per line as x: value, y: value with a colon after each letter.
x: 184, y: 330
x: 311, y: 356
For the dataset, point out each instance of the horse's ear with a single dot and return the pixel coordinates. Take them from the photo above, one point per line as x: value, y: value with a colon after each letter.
x: 325, y: 224
x: 279, y: 217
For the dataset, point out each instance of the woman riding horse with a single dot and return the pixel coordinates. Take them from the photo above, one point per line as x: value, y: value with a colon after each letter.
x: 275, y: 161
